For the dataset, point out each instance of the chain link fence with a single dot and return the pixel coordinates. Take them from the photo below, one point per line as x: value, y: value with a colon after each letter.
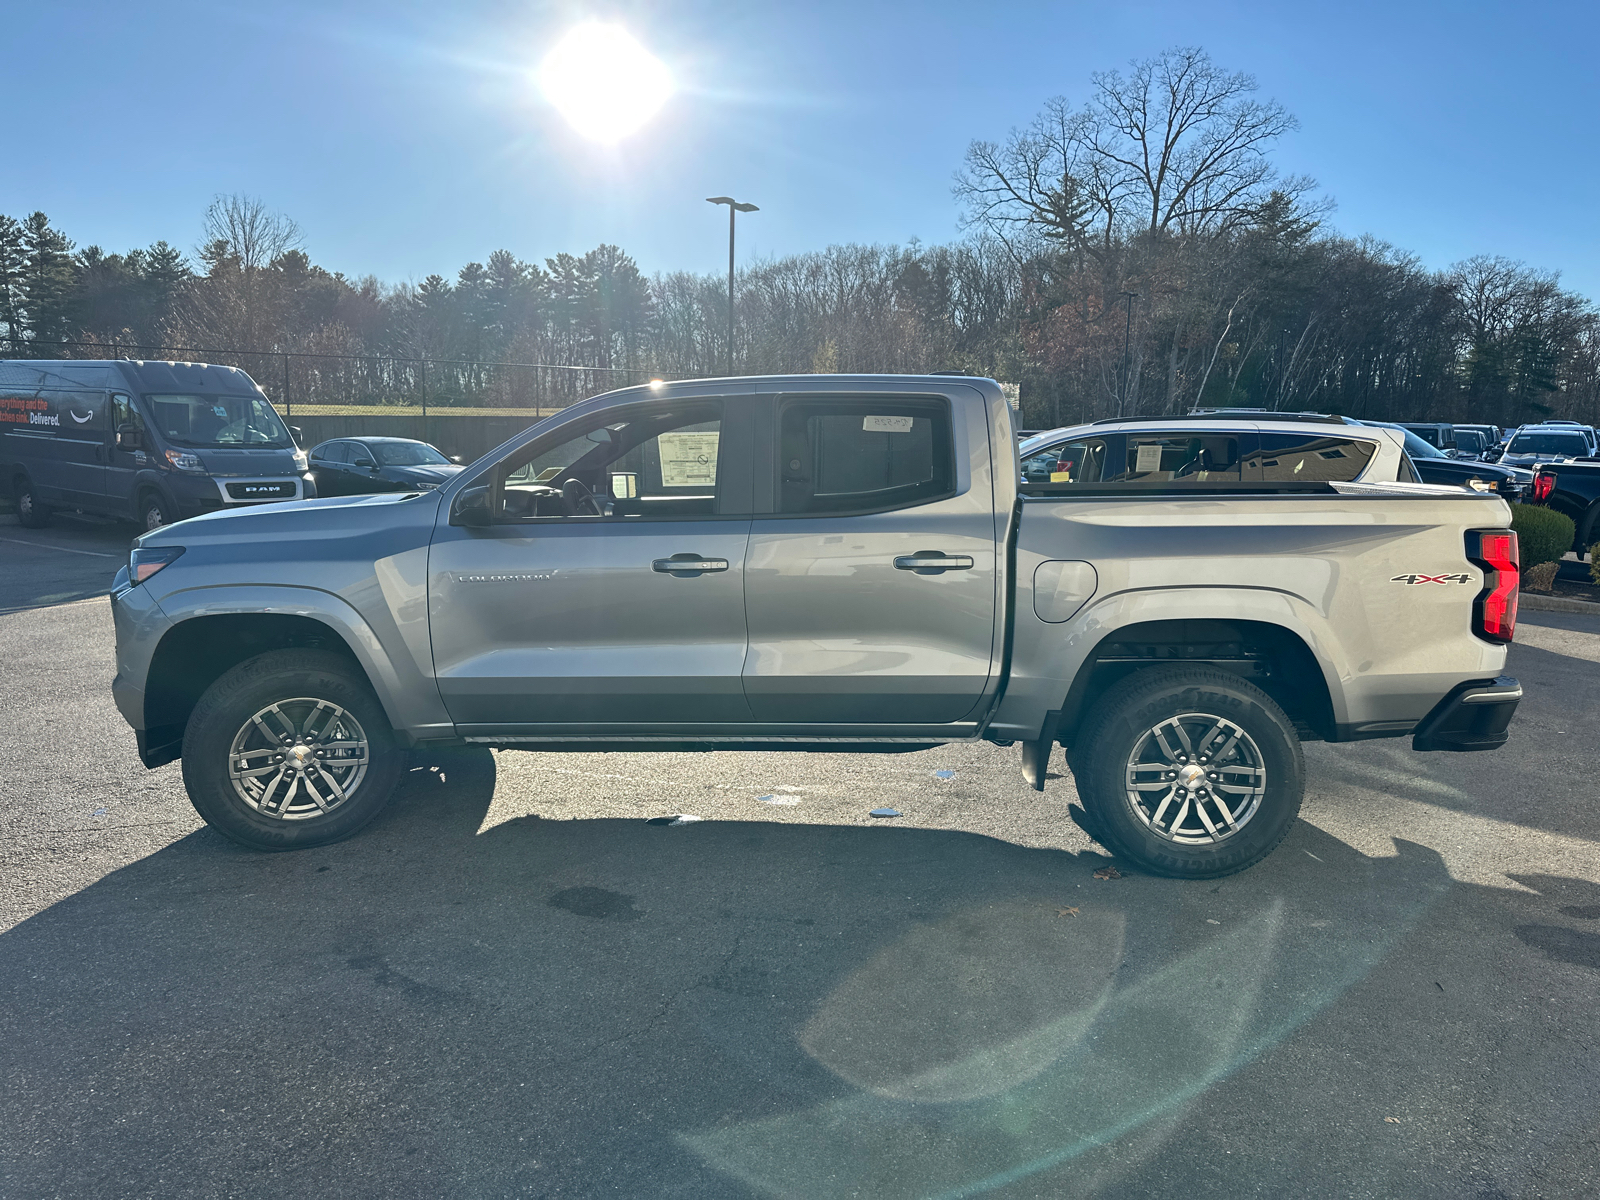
x: 302, y: 384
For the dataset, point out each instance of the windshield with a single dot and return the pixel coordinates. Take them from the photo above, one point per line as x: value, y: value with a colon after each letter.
x: 219, y: 421
x: 1417, y: 448
x: 408, y: 454
x: 1549, y: 443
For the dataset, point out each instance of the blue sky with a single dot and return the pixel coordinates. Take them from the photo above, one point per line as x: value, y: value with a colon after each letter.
x: 408, y: 138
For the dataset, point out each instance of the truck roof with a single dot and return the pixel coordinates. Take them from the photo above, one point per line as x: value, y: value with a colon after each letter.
x: 140, y: 375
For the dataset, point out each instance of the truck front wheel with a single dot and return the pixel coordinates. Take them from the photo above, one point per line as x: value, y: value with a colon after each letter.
x: 288, y: 750
x: 1189, y: 772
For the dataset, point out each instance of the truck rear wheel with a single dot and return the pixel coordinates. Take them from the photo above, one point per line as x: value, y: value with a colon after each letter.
x: 288, y: 750
x: 30, y: 513
x: 1190, y: 772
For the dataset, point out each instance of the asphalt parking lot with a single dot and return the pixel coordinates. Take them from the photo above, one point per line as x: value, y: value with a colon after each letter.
x: 519, y: 984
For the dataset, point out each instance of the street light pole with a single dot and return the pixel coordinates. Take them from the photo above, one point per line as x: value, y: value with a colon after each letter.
x: 1127, y: 332
x: 734, y: 207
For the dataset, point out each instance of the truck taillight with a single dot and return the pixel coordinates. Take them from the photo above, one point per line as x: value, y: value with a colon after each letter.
x: 1494, y: 611
x: 1543, y: 485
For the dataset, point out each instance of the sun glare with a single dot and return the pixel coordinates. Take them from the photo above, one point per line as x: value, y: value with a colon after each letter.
x: 604, y: 82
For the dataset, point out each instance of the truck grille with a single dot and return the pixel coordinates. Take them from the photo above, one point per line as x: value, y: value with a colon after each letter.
x: 282, y: 490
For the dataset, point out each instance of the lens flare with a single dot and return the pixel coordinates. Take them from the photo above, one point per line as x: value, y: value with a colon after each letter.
x: 604, y: 82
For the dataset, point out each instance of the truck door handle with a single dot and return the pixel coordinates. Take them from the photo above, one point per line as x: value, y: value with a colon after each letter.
x: 688, y: 564
x: 933, y: 562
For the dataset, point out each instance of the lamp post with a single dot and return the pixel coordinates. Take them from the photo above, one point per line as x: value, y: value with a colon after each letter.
x: 1127, y: 332
x: 734, y: 208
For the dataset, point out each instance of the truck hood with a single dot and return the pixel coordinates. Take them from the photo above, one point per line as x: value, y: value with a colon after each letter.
x: 266, y: 461
x: 337, y: 516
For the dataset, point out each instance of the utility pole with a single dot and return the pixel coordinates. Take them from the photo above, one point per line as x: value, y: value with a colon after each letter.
x: 1127, y: 333
x: 734, y: 208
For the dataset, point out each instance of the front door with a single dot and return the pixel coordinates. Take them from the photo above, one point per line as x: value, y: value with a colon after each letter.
x: 870, y: 591
x: 129, y: 453
x: 607, y: 593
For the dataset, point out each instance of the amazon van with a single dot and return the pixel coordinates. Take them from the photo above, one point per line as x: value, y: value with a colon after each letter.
x: 151, y: 442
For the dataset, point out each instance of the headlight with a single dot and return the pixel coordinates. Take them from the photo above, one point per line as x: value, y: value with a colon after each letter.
x: 144, y: 562
x: 181, y: 461
x: 425, y: 487
x: 1480, y: 485
x: 300, y: 463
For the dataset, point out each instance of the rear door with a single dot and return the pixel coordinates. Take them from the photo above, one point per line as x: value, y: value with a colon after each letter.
x: 870, y: 588
x: 78, y: 444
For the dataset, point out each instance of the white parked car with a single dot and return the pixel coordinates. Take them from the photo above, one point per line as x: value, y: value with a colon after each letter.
x: 1220, y: 449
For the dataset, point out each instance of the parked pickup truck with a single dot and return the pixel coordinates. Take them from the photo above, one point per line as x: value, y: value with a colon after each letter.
x: 1572, y: 486
x: 823, y: 563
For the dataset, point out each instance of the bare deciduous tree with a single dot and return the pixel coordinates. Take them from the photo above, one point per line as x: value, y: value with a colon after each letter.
x: 1179, y: 145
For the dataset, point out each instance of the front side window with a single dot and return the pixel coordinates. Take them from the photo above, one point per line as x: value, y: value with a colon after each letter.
x: 853, y: 456
x: 1179, y: 458
x: 1070, y: 462
x: 657, y: 464
x: 219, y: 422
x: 333, y: 452
x: 1310, y: 458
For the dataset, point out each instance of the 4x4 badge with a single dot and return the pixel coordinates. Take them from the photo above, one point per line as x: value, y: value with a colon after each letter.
x: 1431, y: 579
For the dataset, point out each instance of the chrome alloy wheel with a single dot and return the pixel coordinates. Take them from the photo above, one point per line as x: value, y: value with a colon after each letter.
x: 298, y: 759
x: 1195, y: 779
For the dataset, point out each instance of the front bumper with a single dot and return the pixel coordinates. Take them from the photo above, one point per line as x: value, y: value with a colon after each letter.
x: 1474, y: 716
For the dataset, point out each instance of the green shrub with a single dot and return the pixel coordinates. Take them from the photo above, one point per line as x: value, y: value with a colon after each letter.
x: 1594, y: 562
x: 1543, y: 535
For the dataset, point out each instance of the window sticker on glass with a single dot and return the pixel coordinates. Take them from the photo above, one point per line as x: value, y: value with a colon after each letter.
x: 624, y: 485
x: 688, y: 459
x: 1149, y: 458
x: 887, y: 424
x: 1060, y: 476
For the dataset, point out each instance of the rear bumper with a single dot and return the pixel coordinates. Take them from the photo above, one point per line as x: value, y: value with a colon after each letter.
x: 1474, y: 716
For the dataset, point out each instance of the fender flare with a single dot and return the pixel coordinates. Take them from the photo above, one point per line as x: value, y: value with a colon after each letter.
x: 1106, y: 615
x: 411, y: 710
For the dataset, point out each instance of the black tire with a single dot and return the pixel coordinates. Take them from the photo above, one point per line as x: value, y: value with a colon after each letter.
x: 30, y: 513
x: 154, y: 511
x: 292, y: 679
x: 1588, y: 530
x: 1258, y: 778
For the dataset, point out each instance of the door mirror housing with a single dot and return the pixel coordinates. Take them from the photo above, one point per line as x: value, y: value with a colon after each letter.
x: 130, y: 437
x: 298, y: 434
x: 471, y: 507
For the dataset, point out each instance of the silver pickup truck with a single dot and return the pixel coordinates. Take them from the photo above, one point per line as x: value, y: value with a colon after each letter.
x: 827, y: 563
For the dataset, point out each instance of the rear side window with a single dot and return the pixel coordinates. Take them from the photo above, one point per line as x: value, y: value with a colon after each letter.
x: 1310, y: 458
x: 1178, y: 458
x: 863, y: 456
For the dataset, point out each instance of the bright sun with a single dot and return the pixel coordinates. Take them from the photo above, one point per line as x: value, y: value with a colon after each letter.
x: 603, y: 81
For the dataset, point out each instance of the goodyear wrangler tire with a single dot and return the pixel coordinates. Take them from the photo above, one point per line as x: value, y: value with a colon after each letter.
x: 1190, y: 772
x: 288, y: 750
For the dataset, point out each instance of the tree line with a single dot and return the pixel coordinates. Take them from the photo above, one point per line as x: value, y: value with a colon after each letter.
x: 1134, y: 252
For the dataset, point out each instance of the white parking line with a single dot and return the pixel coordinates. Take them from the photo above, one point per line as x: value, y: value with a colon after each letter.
x: 63, y: 549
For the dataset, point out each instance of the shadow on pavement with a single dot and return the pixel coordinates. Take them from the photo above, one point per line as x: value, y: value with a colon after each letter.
x: 732, y: 1008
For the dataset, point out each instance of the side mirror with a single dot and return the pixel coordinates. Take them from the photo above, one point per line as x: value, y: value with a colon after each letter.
x: 130, y: 437
x: 298, y: 434
x: 602, y: 436
x: 471, y: 507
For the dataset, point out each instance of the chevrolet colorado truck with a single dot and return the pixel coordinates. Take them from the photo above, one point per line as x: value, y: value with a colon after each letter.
x: 825, y: 563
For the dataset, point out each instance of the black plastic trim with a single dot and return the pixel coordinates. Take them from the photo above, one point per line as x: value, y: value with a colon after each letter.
x: 1482, y: 725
